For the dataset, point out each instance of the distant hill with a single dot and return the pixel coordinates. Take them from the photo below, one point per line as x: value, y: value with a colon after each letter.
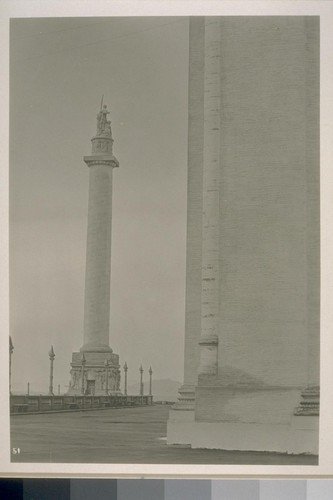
x: 163, y: 390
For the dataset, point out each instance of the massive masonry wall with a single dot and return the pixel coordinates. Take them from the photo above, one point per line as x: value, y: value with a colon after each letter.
x: 266, y: 144
x: 269, y: 202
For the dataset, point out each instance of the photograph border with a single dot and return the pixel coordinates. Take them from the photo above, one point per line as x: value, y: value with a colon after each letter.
x: 63, y: 8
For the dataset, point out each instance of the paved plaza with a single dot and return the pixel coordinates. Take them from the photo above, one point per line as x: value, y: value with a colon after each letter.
x: 131, y: 435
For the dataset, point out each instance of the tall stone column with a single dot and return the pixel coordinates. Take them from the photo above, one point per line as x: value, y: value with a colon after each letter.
x: 186, y: 393
x: 98, y: 256
x: 96, y: 326
x: 202, y: 266
x: 211, y: 202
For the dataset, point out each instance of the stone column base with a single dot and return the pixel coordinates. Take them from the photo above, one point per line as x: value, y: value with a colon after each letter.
x: 95, y: 374
x: 186, y: 398
x: 249, y: 418
x: 292, y: 439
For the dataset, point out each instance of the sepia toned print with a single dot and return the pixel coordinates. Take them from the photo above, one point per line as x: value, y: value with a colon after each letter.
x: 194, y: 337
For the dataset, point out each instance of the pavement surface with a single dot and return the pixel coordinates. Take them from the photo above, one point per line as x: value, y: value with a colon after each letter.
x: 120, y: 435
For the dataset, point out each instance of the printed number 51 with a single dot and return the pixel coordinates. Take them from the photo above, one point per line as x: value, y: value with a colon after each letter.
x: 16, y: 451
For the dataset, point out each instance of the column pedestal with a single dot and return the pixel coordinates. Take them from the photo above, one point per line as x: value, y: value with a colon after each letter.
x: 95, y: 374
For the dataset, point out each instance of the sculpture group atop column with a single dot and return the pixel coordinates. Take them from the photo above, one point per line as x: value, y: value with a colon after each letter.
x: 103, y: 124
x: 102, y: 142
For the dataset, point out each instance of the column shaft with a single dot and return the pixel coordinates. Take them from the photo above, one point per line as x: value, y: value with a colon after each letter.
x: 211, y: 201
x: 98, y: 258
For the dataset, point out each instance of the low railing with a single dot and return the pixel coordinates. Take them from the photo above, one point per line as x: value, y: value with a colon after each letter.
x: 45, y: 403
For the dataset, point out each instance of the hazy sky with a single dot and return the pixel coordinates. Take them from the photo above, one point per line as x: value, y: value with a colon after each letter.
x: 59, y: 70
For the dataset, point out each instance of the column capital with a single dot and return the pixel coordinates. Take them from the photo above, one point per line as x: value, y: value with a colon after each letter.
x: 108, y: 160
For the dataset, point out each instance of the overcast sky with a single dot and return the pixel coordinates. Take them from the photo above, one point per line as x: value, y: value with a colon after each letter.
x: 59, y: 70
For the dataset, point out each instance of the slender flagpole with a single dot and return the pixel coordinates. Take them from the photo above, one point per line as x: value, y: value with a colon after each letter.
x: 125, y: 370
x: 150, y: 381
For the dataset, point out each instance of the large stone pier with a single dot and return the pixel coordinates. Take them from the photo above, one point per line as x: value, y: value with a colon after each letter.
x: 251, y: 368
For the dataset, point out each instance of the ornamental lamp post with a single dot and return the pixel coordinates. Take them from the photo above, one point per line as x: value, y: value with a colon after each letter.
x: 150, y: 381
x: 125, y: 371
x: 83, y: 363
x: 106, y: 363
x: 141, y: 384
x: 51, y: 356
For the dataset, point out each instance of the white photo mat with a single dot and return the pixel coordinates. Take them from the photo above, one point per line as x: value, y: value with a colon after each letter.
x: 66, y: 8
